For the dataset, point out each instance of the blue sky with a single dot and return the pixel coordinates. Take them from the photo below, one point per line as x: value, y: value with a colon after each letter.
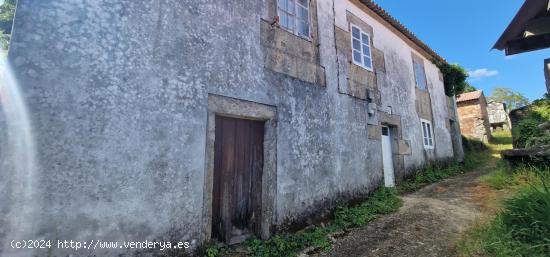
x: 464, y: 32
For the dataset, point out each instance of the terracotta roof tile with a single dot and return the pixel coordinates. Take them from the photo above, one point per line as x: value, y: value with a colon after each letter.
x: 400, y: 27
x: 469, y: 96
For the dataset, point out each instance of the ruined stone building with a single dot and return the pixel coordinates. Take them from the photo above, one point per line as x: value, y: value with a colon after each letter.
x: 474, y: 118
x: 198, y: 120
x: 498, y: 117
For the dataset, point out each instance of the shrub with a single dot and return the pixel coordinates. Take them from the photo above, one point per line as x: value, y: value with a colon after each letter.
x: 527, y: 129
x: 538, y: 141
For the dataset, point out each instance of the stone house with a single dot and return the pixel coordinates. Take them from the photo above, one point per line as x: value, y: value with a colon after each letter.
x: 498, y: 117
x: 198, y: 120
x: 474, y: 118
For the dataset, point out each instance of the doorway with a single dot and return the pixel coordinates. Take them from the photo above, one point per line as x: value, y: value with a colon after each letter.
x: 387, y: 157
x: 238, y: 170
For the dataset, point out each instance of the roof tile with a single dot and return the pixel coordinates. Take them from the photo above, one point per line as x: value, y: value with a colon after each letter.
x: 469, y: 96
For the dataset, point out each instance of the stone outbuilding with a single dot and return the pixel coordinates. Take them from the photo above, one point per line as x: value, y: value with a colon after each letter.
x: 498, y: 117
x: 474, y: 117
x: 192, y: 121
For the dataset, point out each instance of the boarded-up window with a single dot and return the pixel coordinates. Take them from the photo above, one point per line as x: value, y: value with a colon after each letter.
x: 420, y: 75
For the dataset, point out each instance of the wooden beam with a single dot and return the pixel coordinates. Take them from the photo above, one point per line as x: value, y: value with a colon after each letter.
x: 538, y: 26
x: 528, y: 44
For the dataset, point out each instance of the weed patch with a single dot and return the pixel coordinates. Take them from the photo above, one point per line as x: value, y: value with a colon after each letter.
x: 523, y: 227
x: 434, y: 173
x: 382, y: 201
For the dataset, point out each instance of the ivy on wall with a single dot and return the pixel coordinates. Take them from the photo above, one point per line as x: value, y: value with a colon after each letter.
x: 454, y: 77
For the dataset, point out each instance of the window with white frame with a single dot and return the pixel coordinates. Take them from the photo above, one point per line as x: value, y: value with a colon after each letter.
x: 420, y: 75
x: 294, y: 16
x: 360, y: 44
x: 427, y: 134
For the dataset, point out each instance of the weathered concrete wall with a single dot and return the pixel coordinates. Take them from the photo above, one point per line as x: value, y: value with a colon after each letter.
x: 397, y: 86
x: 118, y: 95
x: 454, y: 127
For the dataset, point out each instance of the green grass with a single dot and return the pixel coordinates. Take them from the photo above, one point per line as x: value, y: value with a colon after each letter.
x: 380, y: 202
x: 522, y: 227
x: 436, y: 172
x: 493, y: 239
x: 504, y: 179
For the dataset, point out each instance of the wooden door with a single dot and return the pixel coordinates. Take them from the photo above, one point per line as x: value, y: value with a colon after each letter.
x: 238, y: 166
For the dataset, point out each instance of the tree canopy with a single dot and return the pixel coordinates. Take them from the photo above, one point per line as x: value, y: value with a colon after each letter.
x: 512, y: 99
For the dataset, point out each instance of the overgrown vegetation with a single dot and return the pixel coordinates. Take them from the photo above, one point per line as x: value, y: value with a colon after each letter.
x: 511, y: 98
x: 382, y: 201
x: 7, y: 13
x: 454, y: 78
x: 527, y: 133
x: 474, y: 157
x: 522, y: 226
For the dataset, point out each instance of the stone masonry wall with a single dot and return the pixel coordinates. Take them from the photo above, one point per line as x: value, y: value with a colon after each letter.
x: 474, y: 121
x: 498, y: 116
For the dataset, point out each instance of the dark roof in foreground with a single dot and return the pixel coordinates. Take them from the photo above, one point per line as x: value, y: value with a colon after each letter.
x: 400, y: 27
x: 469, y: 96
x: 529, y: 10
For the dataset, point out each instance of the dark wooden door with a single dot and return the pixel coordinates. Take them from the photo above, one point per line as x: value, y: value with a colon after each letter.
x: 238, y: 166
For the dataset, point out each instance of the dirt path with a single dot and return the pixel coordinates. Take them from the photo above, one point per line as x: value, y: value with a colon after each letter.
x: 429, y: 223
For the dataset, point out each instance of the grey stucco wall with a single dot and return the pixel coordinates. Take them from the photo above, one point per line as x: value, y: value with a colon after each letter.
x: 117, y: 94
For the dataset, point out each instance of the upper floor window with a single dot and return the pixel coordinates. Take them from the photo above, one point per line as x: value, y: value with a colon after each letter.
x: 360, y: 44
x: 420, y: 75
x: 427, y: 134
x: 294, y: 16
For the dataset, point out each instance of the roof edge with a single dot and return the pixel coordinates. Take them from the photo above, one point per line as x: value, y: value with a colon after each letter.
x: 401, y: 28
x: 524, y: 14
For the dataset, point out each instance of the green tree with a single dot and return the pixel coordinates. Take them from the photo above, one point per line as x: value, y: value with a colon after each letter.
x: 468, y: 88
x: 512, y: 99
x: 7, y: 13
x: 454, y: 77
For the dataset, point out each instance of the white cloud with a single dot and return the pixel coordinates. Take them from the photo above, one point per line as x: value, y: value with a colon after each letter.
x: 482, y: 73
